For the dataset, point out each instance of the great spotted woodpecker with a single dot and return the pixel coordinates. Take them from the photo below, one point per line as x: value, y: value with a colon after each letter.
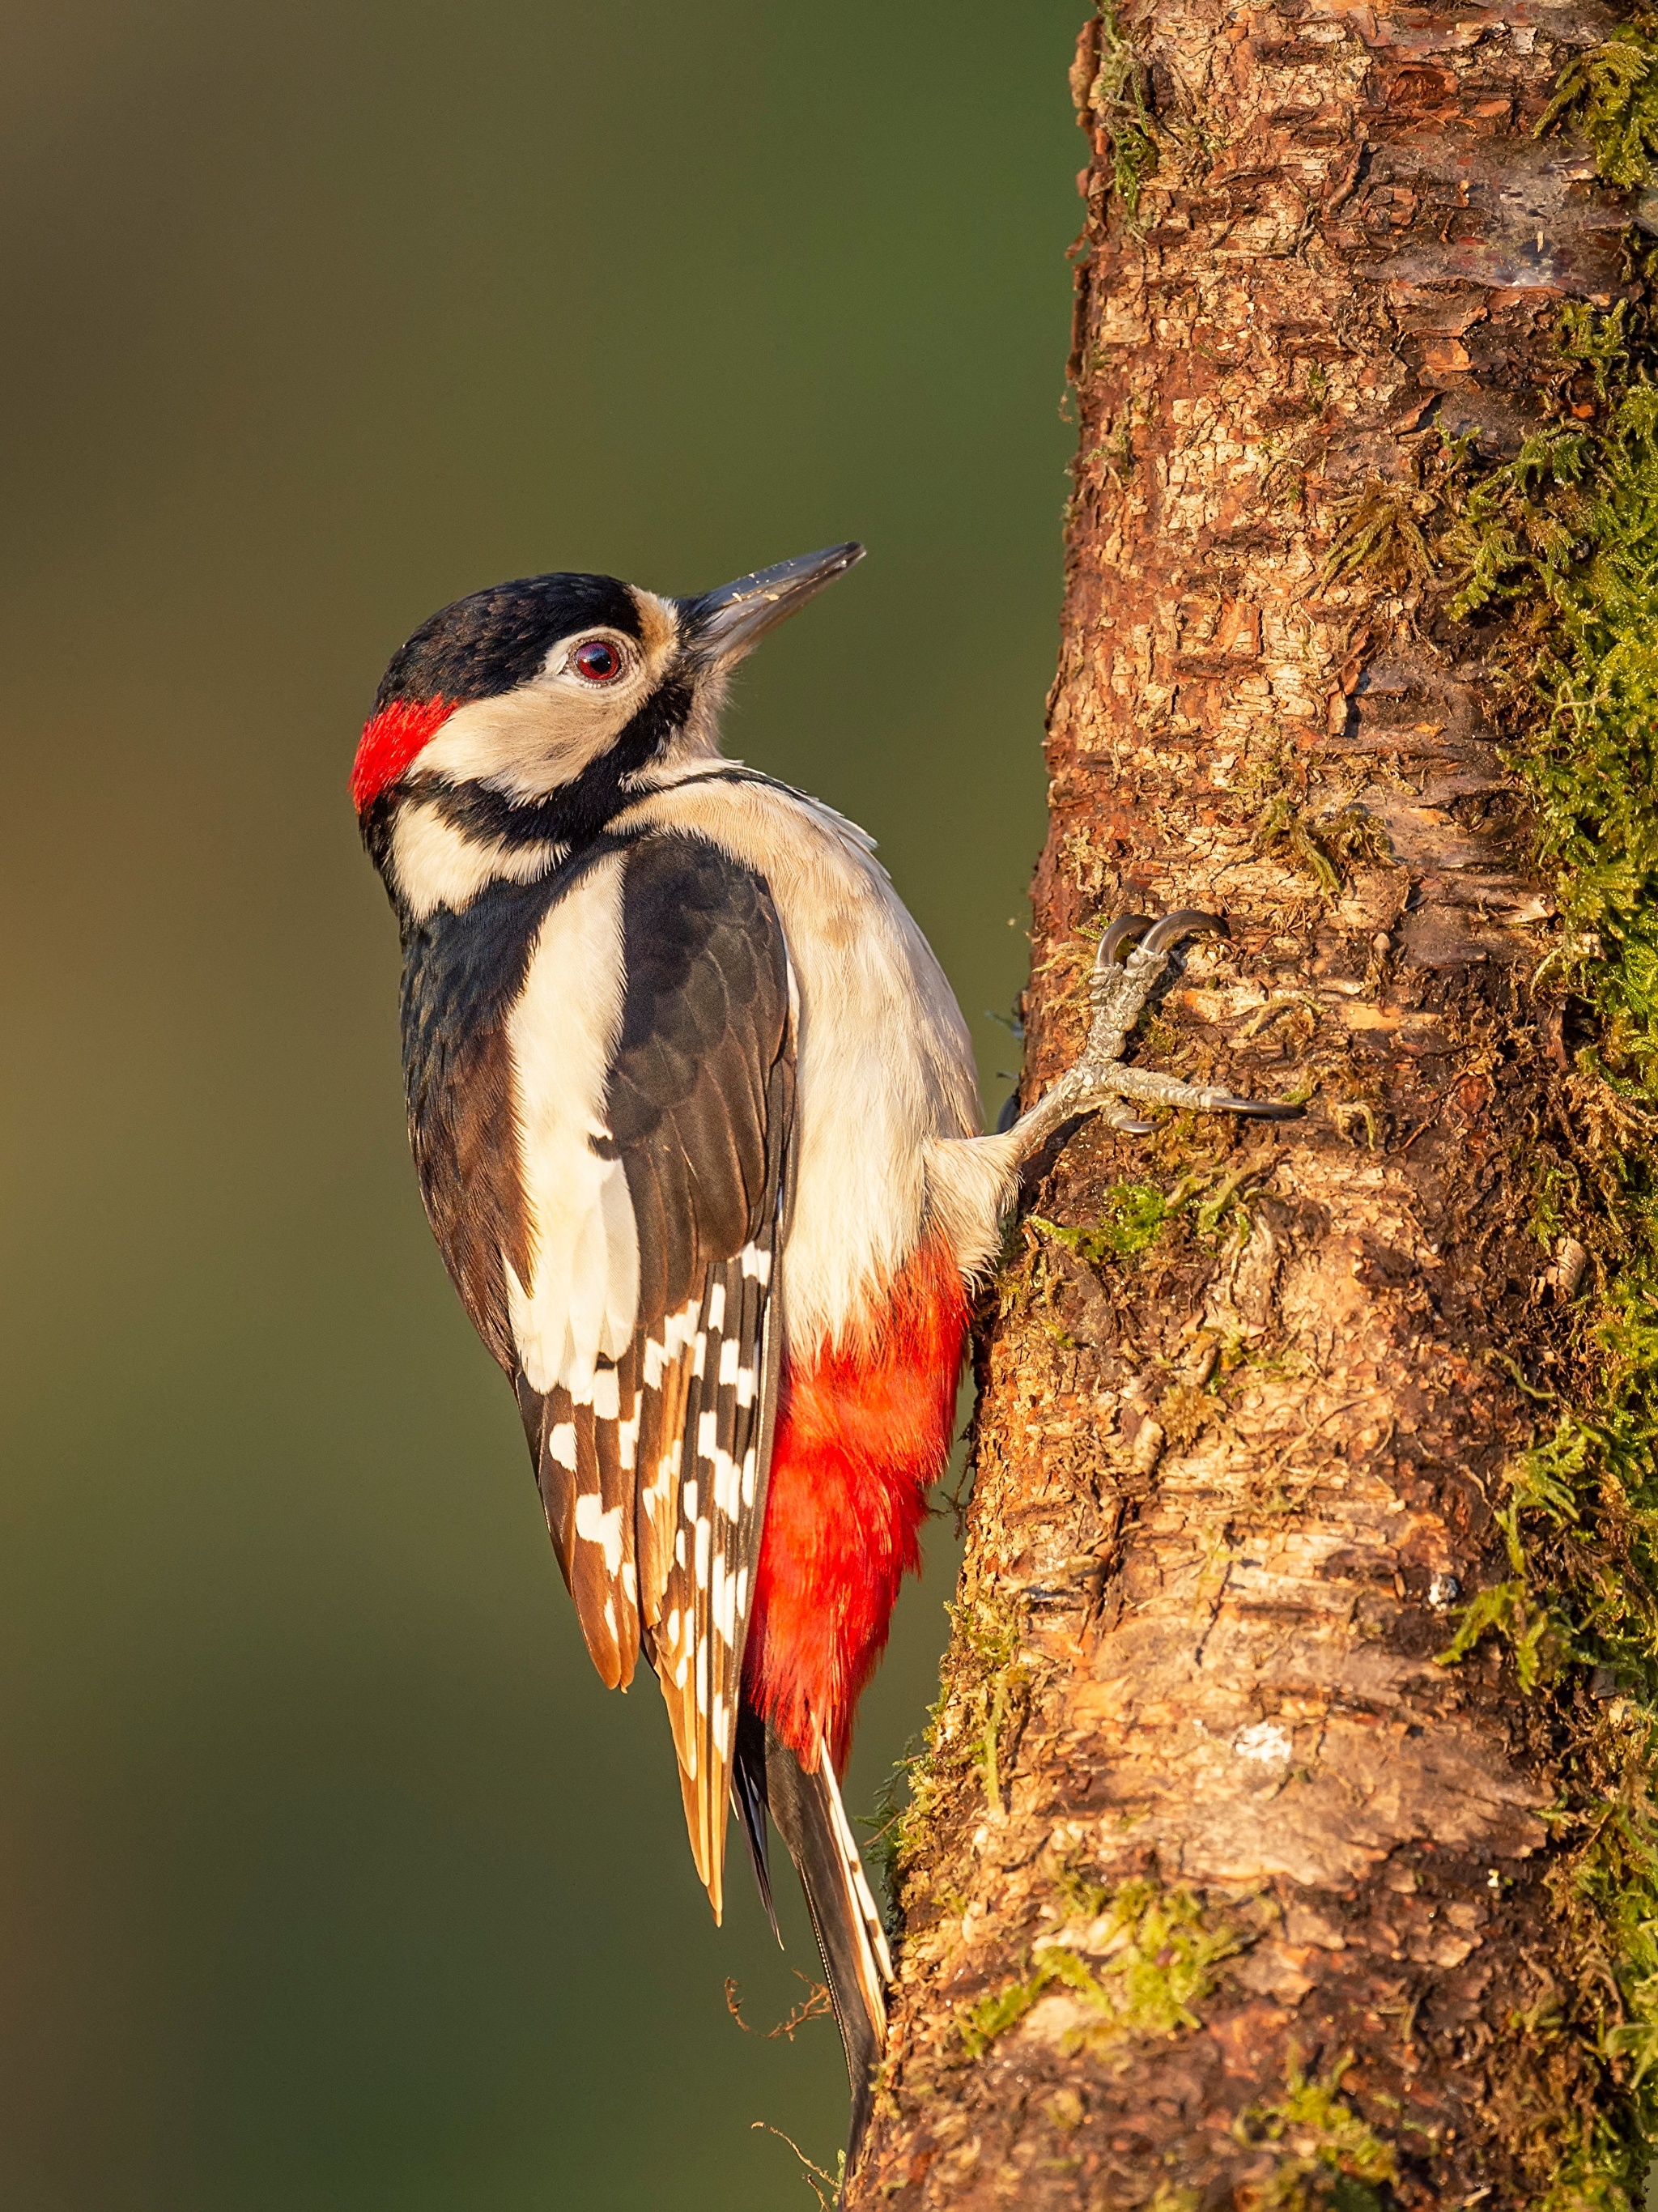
x: 695, y: 1118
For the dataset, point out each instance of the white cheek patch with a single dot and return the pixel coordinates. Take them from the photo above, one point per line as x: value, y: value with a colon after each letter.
x: 529, y: 742
x: 582, y: 1299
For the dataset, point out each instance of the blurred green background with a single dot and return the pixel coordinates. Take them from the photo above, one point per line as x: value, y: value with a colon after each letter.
x: 329, y: 1877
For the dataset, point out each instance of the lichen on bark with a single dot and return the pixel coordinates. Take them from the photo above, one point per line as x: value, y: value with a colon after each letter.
x: 1310, y: 1620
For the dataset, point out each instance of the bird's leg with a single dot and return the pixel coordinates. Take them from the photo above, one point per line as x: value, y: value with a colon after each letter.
x: 1101, y: 1082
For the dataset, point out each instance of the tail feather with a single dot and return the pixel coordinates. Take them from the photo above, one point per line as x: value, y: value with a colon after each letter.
x: 749, y: 1796
x: 812, y: 1822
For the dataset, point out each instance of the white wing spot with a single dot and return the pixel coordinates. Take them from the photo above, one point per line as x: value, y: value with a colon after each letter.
x: 708, y: 1440
x: 607, y: 1395
x: 653, y: 1363
x: 609, y: 1614
x: 561, y: 1444
x: 679, y: 1329
x: 716, y: 1308
x: 724, y: 1611
x: 728, y: 1483
x: 730, y: 1351
x: 746, y: 1384
x: 601, y: 1528
x: 756, y: 1264
x: 750, y: 1474
x: 679, y: 1554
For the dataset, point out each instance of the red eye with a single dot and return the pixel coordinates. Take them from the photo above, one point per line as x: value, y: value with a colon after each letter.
x: 598, y: 660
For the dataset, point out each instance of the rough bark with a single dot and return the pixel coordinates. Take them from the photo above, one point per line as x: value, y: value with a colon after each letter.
x: 1217, y: 1887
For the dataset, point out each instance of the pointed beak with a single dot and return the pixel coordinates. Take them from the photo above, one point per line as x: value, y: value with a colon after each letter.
x: 720, y: 626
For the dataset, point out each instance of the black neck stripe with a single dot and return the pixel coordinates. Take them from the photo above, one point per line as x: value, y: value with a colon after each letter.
x: 578, y: 811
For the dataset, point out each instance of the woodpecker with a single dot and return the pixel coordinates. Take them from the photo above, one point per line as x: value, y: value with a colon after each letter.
x: 695, y: 1123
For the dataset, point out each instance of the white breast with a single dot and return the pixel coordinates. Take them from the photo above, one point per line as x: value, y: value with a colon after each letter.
x: 885, y: 1063
x: 582, y: 1295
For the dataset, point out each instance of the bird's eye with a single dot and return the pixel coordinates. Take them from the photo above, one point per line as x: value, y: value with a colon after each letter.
x: 598, y: 660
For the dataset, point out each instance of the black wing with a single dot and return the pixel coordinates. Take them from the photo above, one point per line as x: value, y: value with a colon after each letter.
x: 655, y: 1492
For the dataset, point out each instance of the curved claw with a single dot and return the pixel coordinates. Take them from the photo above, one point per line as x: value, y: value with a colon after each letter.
x: 1125, y: 926
x: 1263, y: 1109
x: 1185, y: 923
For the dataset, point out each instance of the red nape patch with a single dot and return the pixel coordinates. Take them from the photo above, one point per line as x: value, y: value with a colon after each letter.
x: 862, y: 1434
x: 390, y: 741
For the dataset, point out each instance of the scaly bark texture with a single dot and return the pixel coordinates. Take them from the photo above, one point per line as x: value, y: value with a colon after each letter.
x: 1219, y: 1889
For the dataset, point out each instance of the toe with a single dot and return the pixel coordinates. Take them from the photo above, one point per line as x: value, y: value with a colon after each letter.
x: 1188, y: 923
x: 1126, y: 926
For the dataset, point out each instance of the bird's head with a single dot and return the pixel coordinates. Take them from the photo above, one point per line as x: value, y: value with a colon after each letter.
x: 514, y: 723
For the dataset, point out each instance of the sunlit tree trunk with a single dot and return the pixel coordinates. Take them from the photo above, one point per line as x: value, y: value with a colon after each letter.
x: 1220, y: 1887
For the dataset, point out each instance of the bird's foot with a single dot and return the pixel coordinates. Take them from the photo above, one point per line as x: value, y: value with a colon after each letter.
x: 1132, y: 958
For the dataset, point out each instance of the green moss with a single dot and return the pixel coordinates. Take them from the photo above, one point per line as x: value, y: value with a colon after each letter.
x: 1116, y: 98
x: 994, y: 1631
x: 1134, y: 1216
x: 1611, y: 94
x: 1130, y: 1221
x: 1284, y: 825
x: 981, y: 2024
x: 1159, y: 1957
x: 1156, y: 1957
x: 1319, y: 845
x: 1569, y: 530
x: 1587, y: 2178
x: 1538, y: 1637
x: 1379, y: 534
x: 1329, y: 2154
x: 986, y: 1683
x: 883, y: 1849
x: 1561, y: 540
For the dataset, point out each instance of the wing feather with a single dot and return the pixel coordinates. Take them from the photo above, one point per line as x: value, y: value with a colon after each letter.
x: 652, y: 1459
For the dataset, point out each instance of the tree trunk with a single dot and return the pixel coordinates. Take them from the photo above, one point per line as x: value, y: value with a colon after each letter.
x: 1259, y: 1853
